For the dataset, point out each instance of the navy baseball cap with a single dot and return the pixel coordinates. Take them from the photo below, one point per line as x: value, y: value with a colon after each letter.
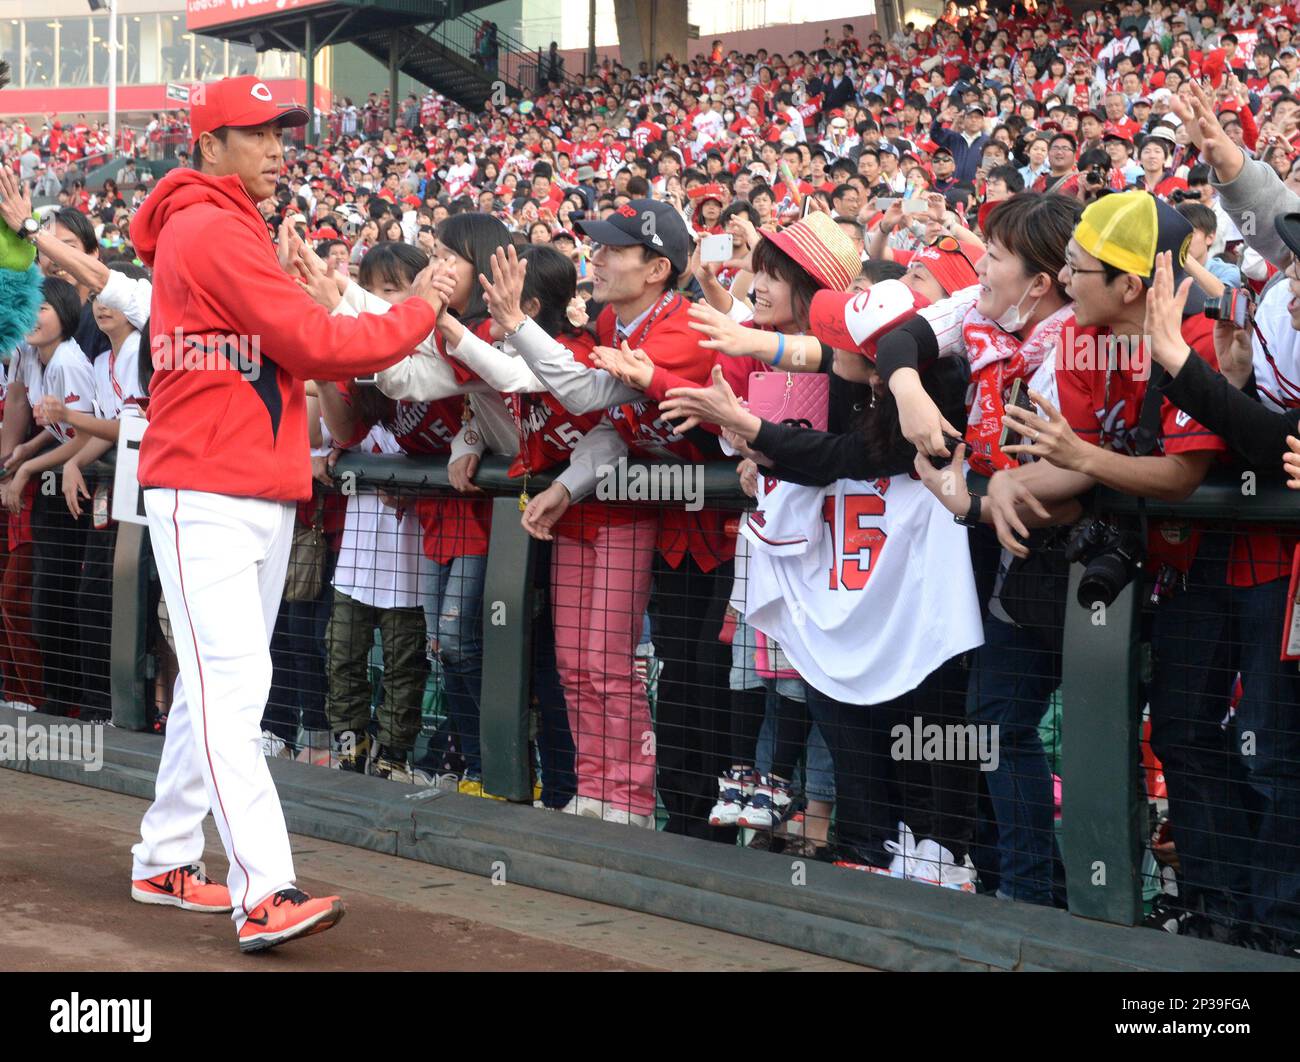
x: 647, y: 222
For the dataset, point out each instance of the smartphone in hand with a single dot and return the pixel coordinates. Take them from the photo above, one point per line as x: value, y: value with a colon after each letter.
x: 717, y: 248
x: 1019, y: 397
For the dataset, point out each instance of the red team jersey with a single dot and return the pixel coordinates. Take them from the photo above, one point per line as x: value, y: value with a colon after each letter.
x: 1104, y: 407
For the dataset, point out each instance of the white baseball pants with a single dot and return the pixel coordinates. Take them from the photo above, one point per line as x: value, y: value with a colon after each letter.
x: 222, y: 563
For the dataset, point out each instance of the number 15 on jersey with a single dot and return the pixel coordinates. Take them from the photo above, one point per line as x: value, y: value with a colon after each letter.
x: 854, y: 548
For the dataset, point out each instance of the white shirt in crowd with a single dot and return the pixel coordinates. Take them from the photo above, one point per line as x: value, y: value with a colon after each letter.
x: 117, y: 379
x: 827, y: 563
x: 67, y: 376
x: 379, y: 560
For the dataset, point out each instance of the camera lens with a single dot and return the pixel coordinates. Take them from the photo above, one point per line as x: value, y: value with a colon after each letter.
x: 1103, y: 579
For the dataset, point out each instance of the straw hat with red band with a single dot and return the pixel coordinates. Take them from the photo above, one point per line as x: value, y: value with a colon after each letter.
x: 950, y: 262
x: 238, y: 103
x: 855, y: 321
x: 821, y: 247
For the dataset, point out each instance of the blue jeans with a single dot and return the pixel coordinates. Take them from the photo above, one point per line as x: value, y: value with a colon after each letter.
x: 453, y: 613
x: 1011, y: 678
x: 818, y: 770
x: 555, y: 749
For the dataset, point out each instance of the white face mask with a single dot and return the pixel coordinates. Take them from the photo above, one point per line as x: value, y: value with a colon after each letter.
x: 1013, y: 319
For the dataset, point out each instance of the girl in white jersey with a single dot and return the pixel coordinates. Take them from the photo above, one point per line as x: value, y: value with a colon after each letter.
x: 846, y: 545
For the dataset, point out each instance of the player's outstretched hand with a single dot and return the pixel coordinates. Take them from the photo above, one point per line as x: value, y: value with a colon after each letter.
x: 427, y: 286
x: 317, y: 279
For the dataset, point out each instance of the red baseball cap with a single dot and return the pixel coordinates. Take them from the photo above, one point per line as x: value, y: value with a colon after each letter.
x: 950, y: 262
x: 855, y: 321
x: 239, y: 103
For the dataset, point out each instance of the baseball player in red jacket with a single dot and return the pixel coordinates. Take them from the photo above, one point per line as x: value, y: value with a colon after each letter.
x: 223, y: 461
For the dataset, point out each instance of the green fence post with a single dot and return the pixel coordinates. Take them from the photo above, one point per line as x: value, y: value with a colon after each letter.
x: 128, y: 645
x: 507, y: 654
x: 1102, y: 813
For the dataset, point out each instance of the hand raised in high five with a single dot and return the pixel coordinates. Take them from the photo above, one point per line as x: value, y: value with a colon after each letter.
x: 15, y: 199
x: 723, y: 333
x: 1197, y: 113
x: 504, y: 292
x: 317, y: 279
x: 1164, y: 320
x: 287, y: 246
x: 429, y: 287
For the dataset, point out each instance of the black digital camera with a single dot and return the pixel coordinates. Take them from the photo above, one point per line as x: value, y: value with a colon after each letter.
x: 1111, y: 557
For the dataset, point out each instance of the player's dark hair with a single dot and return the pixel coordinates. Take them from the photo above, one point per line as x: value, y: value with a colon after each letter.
x: 392, y: 262
x: 222, y: 133
x: 1199, y: 216
x: 552, y: 280
x: 878, y: 269
x: 743, y: 208
x: 63, y: 300
x: 945, y: 380
x: 473, y: 237
x: 674, y: 274
x: 1010, y: 176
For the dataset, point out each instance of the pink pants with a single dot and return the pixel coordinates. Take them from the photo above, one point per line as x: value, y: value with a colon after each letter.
x: 600, y: 590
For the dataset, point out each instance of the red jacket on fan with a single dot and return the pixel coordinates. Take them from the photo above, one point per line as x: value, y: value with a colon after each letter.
x: 672, y: 344
x: 213, y: 429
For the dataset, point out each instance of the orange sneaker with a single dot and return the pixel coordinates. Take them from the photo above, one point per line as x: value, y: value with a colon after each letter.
x: 185, y: 887
x: 285, y: 915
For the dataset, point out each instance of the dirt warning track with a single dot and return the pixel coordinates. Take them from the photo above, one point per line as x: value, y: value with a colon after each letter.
x: 65, y: 905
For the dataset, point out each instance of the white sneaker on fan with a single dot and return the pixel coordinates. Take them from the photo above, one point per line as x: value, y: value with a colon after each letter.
x: 733, y: 787
x: 627, y: 818
x: 585, y: 807
x: 768, y: 807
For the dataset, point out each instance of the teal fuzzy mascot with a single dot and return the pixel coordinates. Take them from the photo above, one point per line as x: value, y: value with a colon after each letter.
x: 20, y: 280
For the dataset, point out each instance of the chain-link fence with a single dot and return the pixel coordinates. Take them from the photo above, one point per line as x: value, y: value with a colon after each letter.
x: 1121, y: 742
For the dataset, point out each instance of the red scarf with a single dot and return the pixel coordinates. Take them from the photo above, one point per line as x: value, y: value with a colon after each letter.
x: 997, y: 358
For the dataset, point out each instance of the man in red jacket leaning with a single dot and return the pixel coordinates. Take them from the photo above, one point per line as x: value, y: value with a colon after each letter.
x: 222, y: 465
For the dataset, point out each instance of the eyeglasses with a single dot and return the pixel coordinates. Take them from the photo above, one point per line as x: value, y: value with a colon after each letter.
x: 1081, y: 272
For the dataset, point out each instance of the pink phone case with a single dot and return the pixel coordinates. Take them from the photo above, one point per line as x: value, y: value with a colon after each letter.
x: 798, y: 398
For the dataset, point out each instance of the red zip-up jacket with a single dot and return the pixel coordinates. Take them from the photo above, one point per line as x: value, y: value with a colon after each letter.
x: 216, y: 274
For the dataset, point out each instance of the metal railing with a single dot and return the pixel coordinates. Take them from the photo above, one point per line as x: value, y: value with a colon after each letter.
x: 510, y: 61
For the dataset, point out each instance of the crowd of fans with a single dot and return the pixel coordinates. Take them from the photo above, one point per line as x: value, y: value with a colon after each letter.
x: 1060, y: 253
